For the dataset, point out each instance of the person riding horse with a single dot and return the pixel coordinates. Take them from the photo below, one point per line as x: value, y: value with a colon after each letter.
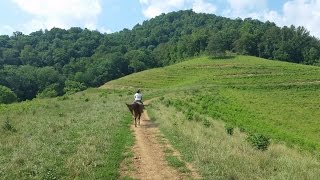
x: 138, y: 97
x: 136, y: 108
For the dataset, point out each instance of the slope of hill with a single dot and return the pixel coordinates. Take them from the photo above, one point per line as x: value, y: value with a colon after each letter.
x: 258, y: 95
x: 85, y: 135
x: 276, y: 99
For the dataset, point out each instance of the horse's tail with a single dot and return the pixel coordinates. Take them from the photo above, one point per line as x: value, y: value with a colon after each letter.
x: 130, y: 107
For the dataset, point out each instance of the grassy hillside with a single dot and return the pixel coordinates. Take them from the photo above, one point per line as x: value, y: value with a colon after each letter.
x: 80, y: 136
x: 196, y: 99
x: 275, y: 98
x: 83, y: 136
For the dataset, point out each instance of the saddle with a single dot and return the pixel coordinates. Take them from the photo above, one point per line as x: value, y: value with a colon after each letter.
x: 140, y: 103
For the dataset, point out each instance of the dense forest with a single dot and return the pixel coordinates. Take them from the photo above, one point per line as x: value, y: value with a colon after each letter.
x: 48, y: 63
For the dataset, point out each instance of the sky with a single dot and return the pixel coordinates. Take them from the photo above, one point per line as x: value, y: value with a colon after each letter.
x: 108, y: 16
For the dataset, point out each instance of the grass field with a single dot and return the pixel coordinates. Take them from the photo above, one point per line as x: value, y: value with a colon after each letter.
x: 85, y: 135
x: 81, y: 136
x: 199, y: 97
x: 217, y: 155
x: 278, y: 99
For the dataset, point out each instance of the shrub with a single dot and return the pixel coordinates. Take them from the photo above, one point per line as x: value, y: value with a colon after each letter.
x: 49, y: 92
x: 8, y: 126
x: 229, y: 129
x: 7, y: 95
x: 206, y: 123
x: 259, y: 141
x: 104, y: 94
x: 190, y: 115
x: 167, y: 103
x: 72, y: 87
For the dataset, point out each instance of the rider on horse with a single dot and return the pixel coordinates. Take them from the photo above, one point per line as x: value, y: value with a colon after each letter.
x: 138, y: 97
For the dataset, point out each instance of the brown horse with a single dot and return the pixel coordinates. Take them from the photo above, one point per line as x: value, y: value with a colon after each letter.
x: 136, y: 110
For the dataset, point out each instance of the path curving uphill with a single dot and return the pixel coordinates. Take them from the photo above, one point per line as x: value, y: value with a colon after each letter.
x: 149, y: 160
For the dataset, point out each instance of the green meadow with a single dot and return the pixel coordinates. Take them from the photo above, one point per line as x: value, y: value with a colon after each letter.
x: 280, y: 100
x: 196, y: 101
x: 80, y: 136
x: 86, y: 135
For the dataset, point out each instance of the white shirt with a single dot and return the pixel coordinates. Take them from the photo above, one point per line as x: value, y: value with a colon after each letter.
x: 137, y: 97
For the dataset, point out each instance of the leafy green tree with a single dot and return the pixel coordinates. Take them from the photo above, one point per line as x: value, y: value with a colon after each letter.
x: 138, y: 60
x: 247, y: 44
x: 6, y: 95
x: 217, y: 45
x: 10, y: 56
x: 269, y: 41
x: 50, y: 91
x: 29, y: 56
x: 72, y: 87
x: 311, y: 56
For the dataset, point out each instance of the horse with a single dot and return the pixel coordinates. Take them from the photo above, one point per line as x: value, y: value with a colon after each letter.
x: 136, y: 110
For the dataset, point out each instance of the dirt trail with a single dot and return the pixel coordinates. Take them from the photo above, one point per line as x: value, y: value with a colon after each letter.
x: 149, y: 157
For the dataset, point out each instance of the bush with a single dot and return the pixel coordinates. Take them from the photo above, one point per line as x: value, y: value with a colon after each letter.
x: 259, y: 141
x: 72, y: 87
x: 49, y: 92
x: 190, y: 115
x: 206, y: 123
x: 229, y: 129
x: 8, y: 126
x: 7, y: 95
x: 167, y: 103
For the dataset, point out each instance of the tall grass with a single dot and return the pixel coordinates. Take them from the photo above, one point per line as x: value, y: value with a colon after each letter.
x: 275, y: 98
x: 270, y: 98
x: 217, y: 155
x: 80, y: 136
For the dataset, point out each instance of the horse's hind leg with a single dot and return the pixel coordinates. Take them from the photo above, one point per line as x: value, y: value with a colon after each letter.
x: 135, y: 121
x: 139, y: 118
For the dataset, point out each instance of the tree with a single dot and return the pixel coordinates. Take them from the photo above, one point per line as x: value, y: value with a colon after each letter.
x: 138, y: 59
x: 29, y: 56
x: 247, y: 44
x: 217, y: 44
x: 72, y: 87
x: 50, y: 91
x: 10, y: 56
x: 312, y: 56
x: 269, y: 41
x: 6, y: 95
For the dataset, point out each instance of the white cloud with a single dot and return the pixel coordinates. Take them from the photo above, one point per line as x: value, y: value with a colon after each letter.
x: 152, y: 8
x: 247, y: 5
x: 60, y: 13
x: 245, y: 8
x: 104, y: 30
x: 203, y: 7
x: 299, y: 13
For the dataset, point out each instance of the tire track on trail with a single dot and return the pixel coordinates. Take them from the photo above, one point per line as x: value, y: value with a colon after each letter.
x: 149, y: 159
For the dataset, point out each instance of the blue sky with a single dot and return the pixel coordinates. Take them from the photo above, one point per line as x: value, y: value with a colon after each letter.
x: 113, y: 15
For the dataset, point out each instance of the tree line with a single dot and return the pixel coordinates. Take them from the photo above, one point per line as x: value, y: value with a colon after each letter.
x: 49, y: 63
